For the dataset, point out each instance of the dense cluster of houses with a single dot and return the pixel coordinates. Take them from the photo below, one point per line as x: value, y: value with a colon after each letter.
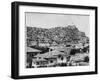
x: 59, y: 46
x: 58, y: 55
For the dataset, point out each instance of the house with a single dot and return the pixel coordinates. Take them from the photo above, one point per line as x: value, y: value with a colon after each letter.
x: 51, y: 62
x: 60, y: 56
x: 77, y: 46
x: 33, y: 43
x: 31, y: 52
x: 56, y: 57
x: 63, y: 49
x: 51, y: 58
x: 86, y: 44
x: 45, y: 59
x: 78, y: 58
x: 44, y: 44
x: 54, y: 44
x: 39, y: 63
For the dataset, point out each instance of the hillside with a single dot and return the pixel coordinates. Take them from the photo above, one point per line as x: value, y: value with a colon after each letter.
x: 60, y: 35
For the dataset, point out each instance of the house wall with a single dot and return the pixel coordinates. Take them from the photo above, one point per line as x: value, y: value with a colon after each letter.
x: 53, y: 62
x: 34, y: 64
x: 59, y: 60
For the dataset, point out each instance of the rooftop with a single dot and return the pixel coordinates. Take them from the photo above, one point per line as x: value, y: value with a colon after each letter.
x: 29, y: 49
x: 51, y: 54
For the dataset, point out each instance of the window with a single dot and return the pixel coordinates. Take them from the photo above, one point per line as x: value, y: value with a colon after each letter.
x: 50, y: 49
x: 51, y: 61
x: 61, y: 51
x: 59, y: 56
x: 37, y: 63
x: 62, y: 58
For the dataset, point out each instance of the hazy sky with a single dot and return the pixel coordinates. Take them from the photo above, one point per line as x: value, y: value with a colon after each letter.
x: 46, y: 20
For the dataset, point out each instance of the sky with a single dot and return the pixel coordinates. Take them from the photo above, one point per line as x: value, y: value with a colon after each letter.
x: 48, y: 20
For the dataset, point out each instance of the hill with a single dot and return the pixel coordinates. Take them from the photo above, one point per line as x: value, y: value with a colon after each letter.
x: 60, y: 35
